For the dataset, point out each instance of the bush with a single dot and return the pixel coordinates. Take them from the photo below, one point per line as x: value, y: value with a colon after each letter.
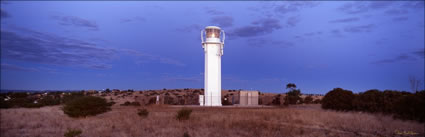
x: 20, y: 102
x: 49, y: 101
x: 402, y: 105
x: 317, y: 101
x: 135, y: 103
x: 71, y: 96
x: 369, y: 101
x: 183, y: 114
x: 338, y: 99
x: 276, y: 100
x: 225, y: 101
x: 72, y: 133
x: 410, y: 106
x: 308, y: 100
x: 143, y: 112
x: 86, y: 106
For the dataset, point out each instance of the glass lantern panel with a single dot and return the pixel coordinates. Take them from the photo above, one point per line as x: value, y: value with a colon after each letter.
x: 213, y: 33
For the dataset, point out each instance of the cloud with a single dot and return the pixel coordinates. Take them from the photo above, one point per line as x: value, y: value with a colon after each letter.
x: 76, y: 21
x: 33, y: 46
x: 4, y: 14
x: 413, y: 4
x: 213, y: 11
x: 5, y: 66
x: 187, y: 79
x: 336, y: 33
x: 420, y: 53
x: 223, y: 21
x: 190, y: 28
x: 292, y: 21
x: 360, y: 28
x: 12, y: 67
x: 195, y: 78
x: 344, y: 20
x: 286, y: 8
x: 134, y: 19
x: 257, y: 28
x: 379, y: 4
x: 362, y: 6
x: 396, y: 12
x: 147, y: 58
x: 399, y: 58
x: 262, y: 42
x: 313, y: 33
x: 400, y: 19
x: 293, y: 6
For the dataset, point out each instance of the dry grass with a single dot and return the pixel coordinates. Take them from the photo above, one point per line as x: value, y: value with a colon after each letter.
x: 308, y: 120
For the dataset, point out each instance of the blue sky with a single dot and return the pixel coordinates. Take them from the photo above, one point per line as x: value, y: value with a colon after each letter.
x: 318, y: 45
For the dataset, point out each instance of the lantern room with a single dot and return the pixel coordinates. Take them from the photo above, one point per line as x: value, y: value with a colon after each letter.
x: 212, y: 34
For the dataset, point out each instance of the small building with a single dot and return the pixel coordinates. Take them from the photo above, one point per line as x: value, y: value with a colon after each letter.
x: 248, y: 97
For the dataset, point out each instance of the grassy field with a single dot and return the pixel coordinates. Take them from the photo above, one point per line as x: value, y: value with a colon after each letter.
x: 302, y: 120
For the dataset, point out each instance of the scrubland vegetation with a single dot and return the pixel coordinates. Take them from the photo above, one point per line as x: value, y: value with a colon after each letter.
x: 343, y: 113
x: 298, y: 120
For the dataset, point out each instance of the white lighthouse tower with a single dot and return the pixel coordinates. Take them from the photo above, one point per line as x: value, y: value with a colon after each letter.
x: 213, y: 44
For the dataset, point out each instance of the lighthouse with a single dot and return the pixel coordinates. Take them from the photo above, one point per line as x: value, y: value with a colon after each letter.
x: 212, y: 38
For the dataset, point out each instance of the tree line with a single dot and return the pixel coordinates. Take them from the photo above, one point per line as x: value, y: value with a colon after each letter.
x: 400, y: 104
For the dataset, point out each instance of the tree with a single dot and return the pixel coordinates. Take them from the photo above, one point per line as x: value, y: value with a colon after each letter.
x: 292, y: 97
x: 291, y: 86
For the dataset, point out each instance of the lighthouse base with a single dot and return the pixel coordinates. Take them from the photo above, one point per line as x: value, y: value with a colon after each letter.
x: 211, y: 101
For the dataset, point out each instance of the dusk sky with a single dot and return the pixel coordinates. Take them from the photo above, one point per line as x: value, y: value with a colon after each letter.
x: 318, y: 45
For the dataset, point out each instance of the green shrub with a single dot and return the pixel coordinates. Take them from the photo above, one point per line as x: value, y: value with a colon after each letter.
x: 86, y: 106
x: 411, y: 106
x: 225, y: 101
x: 317, y: 101
x: 143, y: 112
x: 18, y: 95
x: 127, y: 103
x: 338, y: 99
x: 402, y: 105
x: 369, y: 101
x: 72, y: 133
x: 183, y: 114
x: 308, y: 100
x: 71, y: 96
x: 49, y: 101
x: 23, y: 102
x: 276, y: 100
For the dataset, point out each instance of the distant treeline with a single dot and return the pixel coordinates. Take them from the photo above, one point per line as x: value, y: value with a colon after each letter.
x: 400, y: 104
x: 36, y: 99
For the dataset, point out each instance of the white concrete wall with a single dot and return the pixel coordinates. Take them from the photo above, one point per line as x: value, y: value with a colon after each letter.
x: 212, y: 74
